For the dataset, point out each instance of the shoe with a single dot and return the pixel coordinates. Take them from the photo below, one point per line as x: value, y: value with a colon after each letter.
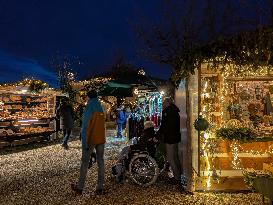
x: 188, y: 192
x: 99, y: 192
x: 76, y: 189
x: 65, y: 146
x: 182, y: 189
x: 114, y: 171
x: 119, y: 178
x: 174, y: 181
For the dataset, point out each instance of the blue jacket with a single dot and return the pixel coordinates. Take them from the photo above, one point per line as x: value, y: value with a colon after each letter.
x: 120, y: 116
x: 92, y: 106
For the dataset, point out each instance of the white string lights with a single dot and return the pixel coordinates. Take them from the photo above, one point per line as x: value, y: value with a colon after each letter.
x: 214, y: 102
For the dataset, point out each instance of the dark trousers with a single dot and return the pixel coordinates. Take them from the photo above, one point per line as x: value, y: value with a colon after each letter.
x: 173, y: 159
x: 119, y: 133
x: 67, y: 133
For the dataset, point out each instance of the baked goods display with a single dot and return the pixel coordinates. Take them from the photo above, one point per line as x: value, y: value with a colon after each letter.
x: 24, y: 115
x: 29, y: 130
x: 5, y: 132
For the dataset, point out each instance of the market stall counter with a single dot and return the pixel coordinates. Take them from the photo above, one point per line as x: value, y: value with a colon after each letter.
x: 26, y: 116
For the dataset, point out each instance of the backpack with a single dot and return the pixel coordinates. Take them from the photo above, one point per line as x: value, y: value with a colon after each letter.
x: 95, y: 132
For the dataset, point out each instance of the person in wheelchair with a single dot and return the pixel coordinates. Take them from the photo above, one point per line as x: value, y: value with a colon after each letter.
x: 145, y: 143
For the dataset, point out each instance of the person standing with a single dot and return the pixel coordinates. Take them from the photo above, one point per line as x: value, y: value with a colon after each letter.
x: 169, y: 132
x: 66, y: 113
x: 126, y: 123
x: 120, y: 120
x: 93, y: 137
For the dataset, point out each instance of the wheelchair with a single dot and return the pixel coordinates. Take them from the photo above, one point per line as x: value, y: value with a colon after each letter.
x: 142, y: 168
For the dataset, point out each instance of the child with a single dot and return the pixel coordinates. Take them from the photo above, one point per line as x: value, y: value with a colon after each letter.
x: 145, y: 141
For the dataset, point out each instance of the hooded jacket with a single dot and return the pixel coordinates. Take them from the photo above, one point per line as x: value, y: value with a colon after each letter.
x: 92, y: 106
x: 170, y: 125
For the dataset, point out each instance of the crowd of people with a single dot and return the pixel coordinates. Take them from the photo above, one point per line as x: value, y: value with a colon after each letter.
x: 93, y: 137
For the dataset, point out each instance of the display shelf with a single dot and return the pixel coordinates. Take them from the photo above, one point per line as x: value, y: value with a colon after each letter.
x: 264, y: 139
x: 28, y: 125
x: 18, y: 119
x: 18, y: 136
x: 25, y: 116
x: 15, y: 103
x: 15, y: 109
x: 24, y: 103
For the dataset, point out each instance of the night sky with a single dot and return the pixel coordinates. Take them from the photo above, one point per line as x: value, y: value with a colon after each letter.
x: 33, y: 32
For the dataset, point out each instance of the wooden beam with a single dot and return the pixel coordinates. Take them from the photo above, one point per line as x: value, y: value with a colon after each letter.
x: 258, y: 78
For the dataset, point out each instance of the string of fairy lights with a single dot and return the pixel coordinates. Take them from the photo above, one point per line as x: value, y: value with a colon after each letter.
x: 143, y: 106
x: 24, y: 82
x: 215, y: 88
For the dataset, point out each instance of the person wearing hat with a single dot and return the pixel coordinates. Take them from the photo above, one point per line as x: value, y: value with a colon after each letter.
x: 145, y: 141
x: 147, y: 138
x: 92, y: 138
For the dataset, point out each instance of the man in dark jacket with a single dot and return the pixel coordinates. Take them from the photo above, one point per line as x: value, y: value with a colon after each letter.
x: 66, y: 113
x: 170, y: 135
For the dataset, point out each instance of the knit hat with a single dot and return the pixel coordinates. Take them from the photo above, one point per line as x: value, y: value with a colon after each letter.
x: 92, y: 94
x: 149, y: 124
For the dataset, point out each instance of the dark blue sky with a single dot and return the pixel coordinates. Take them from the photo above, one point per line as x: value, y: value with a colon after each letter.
x: 34, y: 31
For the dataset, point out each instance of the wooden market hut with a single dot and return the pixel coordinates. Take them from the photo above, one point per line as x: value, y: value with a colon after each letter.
x: 27, y: 112
x: 227, y: 72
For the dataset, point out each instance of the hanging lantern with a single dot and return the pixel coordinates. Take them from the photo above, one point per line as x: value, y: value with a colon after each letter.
x: 201, y: 124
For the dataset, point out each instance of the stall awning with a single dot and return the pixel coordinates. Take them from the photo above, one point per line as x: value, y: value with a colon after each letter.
x: 117, y: 90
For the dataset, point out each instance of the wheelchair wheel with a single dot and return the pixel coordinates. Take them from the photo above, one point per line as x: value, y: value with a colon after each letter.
x: 143, y: 170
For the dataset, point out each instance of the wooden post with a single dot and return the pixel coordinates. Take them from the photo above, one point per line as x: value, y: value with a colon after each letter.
x: 199, y: 111
x: 189, y: 140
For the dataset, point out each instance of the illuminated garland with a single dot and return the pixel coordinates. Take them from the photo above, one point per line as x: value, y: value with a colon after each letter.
x: 249, y: 51
x: 26, y: 82
x: 243, y: 134
x: 37, y: 86
x: 208, y: 154
x: 236, y: 161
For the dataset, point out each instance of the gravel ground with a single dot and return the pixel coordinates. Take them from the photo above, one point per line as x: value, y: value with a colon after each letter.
x: 43, y: 174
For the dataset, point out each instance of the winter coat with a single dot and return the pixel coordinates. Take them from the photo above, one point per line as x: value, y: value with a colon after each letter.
x: 169, y: 131
x: 120, y: 116
x: 67, y: 116
x: 92, y: 106
x: 146, y: 140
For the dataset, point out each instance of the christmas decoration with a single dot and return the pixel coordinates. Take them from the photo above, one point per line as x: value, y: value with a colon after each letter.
x: 243, y: 134
x: 201, y: 124
x: 234, y: 110
x: 37, y: 86
x: 246, y: 50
